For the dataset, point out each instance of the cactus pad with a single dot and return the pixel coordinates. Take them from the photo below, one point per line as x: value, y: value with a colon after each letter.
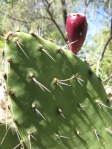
x: 56, y: 100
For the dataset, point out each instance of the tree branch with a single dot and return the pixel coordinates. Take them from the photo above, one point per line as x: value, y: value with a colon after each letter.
x: 47, y: 5
x: 12, y: 18
x: 107, y: 42
x: 86, y: 3
x: 64, y: 11
x: 19, y: 20
x: 105, y: 46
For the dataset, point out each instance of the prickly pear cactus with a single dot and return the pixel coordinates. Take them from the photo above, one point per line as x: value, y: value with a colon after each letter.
x: 55, y: 99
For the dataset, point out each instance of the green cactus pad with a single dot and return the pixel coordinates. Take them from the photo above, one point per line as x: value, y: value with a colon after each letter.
x: 56, y: 100
x: 8, y: 136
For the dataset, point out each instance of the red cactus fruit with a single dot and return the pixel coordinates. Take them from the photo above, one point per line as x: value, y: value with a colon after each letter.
x: 76, y: 28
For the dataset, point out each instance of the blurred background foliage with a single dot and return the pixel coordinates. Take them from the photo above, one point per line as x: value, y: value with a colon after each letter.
x: 47, y: 18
